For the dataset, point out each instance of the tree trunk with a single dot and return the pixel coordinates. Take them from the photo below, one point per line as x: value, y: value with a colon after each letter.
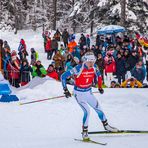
x: 55, y: 14
x: 123, y: 12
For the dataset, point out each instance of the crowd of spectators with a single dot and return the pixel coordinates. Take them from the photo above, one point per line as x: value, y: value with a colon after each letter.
x: 123, y: 62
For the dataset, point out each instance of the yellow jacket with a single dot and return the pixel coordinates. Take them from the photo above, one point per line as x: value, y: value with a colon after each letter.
x: 131, y: 84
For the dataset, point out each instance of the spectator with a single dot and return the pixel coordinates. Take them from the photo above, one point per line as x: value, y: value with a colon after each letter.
x: 1, y: 54
x: 146, y: 52
x: 62, y: 49
x: 138, y: 72
x: 69, y: 63
x: 34, y: 56
x: 6, y: 61
x: 110, y: 67
x: 14, y: 69
x: 120, y: 68
x: 82, y: 41
x: 45, y: 35
x: 71, y: 45
x: 57, y: 35
x: 54, y: 45
x: 65, y: 36
x: 48, y: 48
x: 87, y: 41
x: 51, y: 72
x: 25, y: 72
x: 22, y: 45
x: 59, y: 60
x: 113, y: 84
x: 38, y: 70
x: 101, y: 65
x: 131, y: 83
x: 132, y: 60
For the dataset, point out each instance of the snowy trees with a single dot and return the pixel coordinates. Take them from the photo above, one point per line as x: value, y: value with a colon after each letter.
x: 76, y: 15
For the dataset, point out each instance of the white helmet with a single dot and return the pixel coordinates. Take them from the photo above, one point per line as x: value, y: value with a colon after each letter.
x: 89, y: 56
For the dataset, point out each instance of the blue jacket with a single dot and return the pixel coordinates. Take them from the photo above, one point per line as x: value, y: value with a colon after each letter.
x: 139, y: 74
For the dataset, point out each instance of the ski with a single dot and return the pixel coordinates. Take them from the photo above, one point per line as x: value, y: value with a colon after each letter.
x: 91, y: 141
x: 120, y: 132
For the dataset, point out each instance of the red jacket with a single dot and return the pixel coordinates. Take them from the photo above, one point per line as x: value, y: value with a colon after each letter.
x: 110, y: 65
x: 48, y: 45
x: 14, y: 72
x: 53, y: 75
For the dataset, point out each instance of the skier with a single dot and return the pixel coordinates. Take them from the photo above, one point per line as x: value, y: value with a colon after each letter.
x: 84, y: 75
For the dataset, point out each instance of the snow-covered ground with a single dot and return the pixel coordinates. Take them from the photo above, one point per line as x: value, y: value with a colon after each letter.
x: 55, y: 123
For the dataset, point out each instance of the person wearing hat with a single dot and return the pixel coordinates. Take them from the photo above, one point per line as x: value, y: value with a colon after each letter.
x: 87, y: 41
x: 51, y: 72
x: 38, y: 70
x: 84, y: 76
x: 14, y: 70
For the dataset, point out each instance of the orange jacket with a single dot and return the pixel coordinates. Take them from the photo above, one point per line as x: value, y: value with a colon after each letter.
x: 71, y: 46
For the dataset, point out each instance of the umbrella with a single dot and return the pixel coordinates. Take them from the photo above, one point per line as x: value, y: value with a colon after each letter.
x: 111, y: 29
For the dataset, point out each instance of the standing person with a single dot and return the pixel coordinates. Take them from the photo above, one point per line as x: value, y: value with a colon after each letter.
x: 87, y: 41
x: 14, y: 70
x: 48, y: 48
x: 25, y: 71
x: 57, y: 35
x: 54, y: 45
x: 120, y: 68
x: 110, y: 67
x: 65, y: 36
x: 146, y: 58
x: 34, y: 56
x: 84, y: 75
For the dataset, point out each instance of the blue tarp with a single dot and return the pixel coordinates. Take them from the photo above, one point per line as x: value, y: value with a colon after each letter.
x: 4, y: 89
x: 5, y: 92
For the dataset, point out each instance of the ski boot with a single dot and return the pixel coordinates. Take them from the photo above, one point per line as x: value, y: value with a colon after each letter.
x: 85, y: 133
x: 108, y: 127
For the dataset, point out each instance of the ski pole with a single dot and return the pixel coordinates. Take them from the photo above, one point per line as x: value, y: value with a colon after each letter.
x: 35, y: 101
x: 41, y: 100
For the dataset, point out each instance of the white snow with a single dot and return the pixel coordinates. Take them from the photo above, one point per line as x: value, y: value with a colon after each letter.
x: 55, y: 123
x: 102, y: 3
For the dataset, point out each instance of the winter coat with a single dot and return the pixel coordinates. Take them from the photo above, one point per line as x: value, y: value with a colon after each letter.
x: 53, y: 75
x: 71, y: 46
x: 57, y: 35
x: 54, y: 44
x: 132, y: 60
x: 139, y: 73
x: 134, y: 84
x: 13, y: 69
x: 101, y: 65
x: 59, y: 59
x: 120, y: 66
x: 22, y: 45
x: 34, y: 57
x: 65, y: 36
x: 110, y: 65
x: 39, y: 71
x: 6, y: 60
x: 88, y: 42
x: 25, y: 73
x: 48, y: 46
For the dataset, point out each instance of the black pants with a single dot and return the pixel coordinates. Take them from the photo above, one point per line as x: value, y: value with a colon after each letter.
x: 15, y: 82
x: 66, y: 44
x: 49, y: 54
x: 121, y: 77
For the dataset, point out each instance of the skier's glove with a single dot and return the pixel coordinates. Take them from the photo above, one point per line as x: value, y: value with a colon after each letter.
x: 67, y: 93
x: 101, y: 90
